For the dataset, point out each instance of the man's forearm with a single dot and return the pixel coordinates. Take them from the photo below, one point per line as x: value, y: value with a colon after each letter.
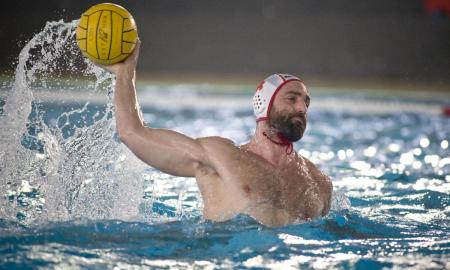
x: 128, y: 114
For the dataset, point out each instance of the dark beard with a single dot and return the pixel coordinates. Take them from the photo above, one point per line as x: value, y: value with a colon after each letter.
x: 290, y: 128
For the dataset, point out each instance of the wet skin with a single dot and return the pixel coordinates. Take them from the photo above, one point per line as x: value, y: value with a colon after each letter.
x: 259, y: 178
x: 243, y: 181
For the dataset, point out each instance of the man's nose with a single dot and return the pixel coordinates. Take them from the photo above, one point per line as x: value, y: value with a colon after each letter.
x: 301, y: 107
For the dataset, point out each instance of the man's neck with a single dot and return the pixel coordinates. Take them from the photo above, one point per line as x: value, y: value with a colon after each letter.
x: 268, y: 145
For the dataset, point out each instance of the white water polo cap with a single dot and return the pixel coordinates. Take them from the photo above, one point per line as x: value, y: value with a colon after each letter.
x: 266, y: 92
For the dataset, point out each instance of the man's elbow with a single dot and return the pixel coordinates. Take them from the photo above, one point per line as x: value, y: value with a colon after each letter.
x: 125, y: 134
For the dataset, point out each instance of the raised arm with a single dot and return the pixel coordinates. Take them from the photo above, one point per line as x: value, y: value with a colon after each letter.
x: 166, y: 150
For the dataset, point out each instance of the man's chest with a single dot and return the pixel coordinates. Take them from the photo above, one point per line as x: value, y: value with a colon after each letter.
x: 293, y: 186
x: 250, y: 185
x: 261, y: 180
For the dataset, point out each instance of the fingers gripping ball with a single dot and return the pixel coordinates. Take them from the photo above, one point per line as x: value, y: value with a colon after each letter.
x: 106, y: 33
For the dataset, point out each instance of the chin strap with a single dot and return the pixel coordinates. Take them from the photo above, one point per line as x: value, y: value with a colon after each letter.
x: 284, y: 141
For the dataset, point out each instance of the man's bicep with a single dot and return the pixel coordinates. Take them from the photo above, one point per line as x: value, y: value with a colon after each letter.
x: 166, y: 150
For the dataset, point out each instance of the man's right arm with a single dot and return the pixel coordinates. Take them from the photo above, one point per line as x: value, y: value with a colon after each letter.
x: 166, y: 150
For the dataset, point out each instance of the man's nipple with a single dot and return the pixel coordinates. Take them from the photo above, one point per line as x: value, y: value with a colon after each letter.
x: 247, y: 189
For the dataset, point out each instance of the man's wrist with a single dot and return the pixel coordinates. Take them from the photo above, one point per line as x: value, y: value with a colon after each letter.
x: 125, y: 75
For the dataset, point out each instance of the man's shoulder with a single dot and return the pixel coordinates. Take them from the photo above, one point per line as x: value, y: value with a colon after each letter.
x: 305, y: 161
x: 313, y: 168
x: 215, y: 140
x: 217, y: 143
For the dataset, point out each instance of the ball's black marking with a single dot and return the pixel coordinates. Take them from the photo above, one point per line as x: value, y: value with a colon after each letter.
x: 111, y: 34
x: 96, y: 35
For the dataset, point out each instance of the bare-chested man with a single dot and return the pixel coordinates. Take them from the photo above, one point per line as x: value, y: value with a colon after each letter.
x: 264, y: 178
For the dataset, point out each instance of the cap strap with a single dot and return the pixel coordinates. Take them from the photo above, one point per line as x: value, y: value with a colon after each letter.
x: 284, y: 141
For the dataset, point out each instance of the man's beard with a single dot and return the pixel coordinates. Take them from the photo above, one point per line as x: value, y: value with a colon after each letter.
x: 288, y: 125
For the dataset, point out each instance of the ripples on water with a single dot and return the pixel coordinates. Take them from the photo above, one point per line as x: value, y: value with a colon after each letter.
x: 73, y: 196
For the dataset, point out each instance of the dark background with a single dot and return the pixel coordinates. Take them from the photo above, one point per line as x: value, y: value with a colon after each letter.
x: 383, y: 40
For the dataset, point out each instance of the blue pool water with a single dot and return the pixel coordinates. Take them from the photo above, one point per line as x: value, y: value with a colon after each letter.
x: 73, y: 197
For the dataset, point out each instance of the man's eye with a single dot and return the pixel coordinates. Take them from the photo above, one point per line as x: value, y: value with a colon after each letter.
x: 291, y: 98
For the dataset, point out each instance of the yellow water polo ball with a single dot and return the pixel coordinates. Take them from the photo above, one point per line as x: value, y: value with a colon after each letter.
x: 106, y: 33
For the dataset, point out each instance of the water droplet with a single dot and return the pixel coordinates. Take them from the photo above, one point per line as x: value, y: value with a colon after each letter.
x: 393, y: 147
x: 370, y: 151
x: 417, y: 151
x: 349, y: 153
x: 443, y: 162
x: 444, y: 144
x: 407, y: 158
x: 304, y: 153
x: 360, y: 165
x: 417, y: 164
x: 424, y: 142
x: 341, y: 154
x: 432, y: 159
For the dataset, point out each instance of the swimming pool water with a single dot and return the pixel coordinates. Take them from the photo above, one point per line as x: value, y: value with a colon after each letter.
x: 73, y: 197
x: 393, y: 168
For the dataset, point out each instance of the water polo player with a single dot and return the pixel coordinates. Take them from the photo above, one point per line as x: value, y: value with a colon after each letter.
x: 265, y: 178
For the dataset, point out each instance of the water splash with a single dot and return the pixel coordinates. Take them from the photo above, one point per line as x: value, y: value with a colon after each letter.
x: 393, y: 167
x: 67, y: 165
